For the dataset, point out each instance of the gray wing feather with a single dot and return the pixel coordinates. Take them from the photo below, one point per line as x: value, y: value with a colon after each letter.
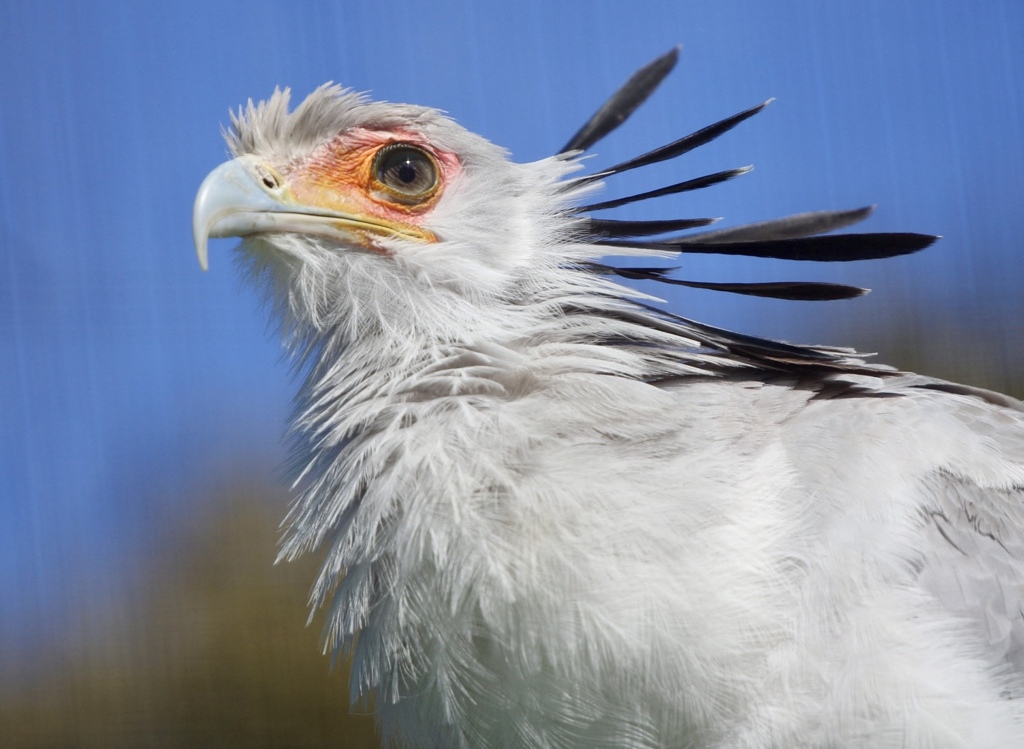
x: 975, y: 521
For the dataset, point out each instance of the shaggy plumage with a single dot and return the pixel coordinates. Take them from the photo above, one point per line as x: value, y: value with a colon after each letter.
x: 555, y: 515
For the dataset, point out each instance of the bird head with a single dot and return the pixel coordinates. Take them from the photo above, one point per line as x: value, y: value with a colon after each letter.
x: 346, y: 205
x: 389, y: 224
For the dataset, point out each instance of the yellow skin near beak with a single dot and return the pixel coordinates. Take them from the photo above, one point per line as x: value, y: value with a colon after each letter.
x: 244, y: 196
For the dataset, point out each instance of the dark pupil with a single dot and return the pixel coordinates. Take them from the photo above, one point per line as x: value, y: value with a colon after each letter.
x: 407, y: 172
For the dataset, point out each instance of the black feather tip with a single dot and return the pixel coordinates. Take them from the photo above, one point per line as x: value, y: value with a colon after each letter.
x: 623, y: 102
x: 802, y: 236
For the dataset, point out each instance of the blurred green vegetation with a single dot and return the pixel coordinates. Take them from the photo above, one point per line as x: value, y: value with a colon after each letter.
x: 207, y: 649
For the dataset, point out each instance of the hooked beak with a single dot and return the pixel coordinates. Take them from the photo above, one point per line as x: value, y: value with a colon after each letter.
x: 234, y: 201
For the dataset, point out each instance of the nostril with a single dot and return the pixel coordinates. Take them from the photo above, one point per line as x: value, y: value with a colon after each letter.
x: 268, y: 177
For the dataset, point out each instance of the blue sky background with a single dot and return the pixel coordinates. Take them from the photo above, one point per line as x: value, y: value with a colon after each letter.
x: 130, y: 381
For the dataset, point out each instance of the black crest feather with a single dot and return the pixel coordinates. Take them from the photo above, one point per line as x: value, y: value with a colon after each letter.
x: 802, y: 236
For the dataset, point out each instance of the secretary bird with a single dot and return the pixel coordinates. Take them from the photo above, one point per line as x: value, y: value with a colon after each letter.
x: 555, y: 514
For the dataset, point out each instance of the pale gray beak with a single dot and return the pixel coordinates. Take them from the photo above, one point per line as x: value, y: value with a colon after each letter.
x: 232, y: 202
x: 244, y: 196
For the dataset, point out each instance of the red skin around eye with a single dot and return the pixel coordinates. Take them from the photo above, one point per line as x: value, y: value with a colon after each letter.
x: 338, y: 176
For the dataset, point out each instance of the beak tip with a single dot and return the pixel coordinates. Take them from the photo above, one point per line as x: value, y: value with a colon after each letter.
x: 201, y: 254
x: 227, y: 190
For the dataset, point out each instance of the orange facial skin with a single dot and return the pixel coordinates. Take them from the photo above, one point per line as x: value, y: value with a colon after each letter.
x: 339, y: 176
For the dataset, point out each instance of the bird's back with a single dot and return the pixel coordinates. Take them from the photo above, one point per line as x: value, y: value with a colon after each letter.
x: 745, y: 561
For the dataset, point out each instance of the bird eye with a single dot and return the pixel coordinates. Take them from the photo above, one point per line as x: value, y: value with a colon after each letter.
x: 406, y: 172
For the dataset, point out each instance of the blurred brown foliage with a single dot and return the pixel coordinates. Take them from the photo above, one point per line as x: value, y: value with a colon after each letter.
x: 949, y: 351
x: 209, y: 649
